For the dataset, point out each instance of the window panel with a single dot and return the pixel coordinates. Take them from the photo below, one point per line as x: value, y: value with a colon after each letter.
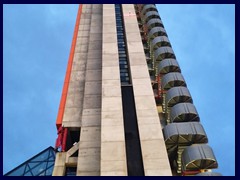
x: 123, y: 61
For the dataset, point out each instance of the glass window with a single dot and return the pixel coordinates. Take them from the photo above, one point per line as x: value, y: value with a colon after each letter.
x: 122, y: 55
x: 123, y: 74
x: 121, y: 44
x: 120, y: 33
x: 123, y: 70
x: 124, y: 78
x: 122, y: 62
x: 122, y: 58
x: 121, y: 40
x: 119, y: 23
x: 120, y: 36
x: 71, y: 171
x: 121, y: 52
x: 121, y: 48
x: 123, y: 65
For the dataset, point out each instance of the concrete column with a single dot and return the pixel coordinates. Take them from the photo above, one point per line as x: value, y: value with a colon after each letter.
x: 74, y: 104
x: 89, y: 146
x: 154, y: 154
x: 113, y: 155
x: 59, y: 165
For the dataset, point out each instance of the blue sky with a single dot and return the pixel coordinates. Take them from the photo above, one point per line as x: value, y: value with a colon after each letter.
x: 37, y: 40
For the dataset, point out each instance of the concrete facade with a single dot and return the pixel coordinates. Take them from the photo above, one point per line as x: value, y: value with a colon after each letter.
x: 113, y: 155
x: 154, y: 152
x: 94, y: 100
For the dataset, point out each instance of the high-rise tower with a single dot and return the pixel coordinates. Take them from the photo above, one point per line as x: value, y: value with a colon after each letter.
x: 125, y: 107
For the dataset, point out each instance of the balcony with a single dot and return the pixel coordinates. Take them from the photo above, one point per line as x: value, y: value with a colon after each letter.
x: 160, y: 41
x: 184, y: 112
x: 173, y: 79
x: 198, y: 156
x: 177, y: 95
x: 156, y: 22
x: 183, y: 134
x: 157, y: 31
x: 151, y: 15
x: 147, y: 8
x: 168, y: 65
x: 163, y: 53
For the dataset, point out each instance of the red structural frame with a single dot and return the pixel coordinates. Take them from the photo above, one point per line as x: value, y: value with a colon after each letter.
x: 190, y: 173
x: 62, y: 132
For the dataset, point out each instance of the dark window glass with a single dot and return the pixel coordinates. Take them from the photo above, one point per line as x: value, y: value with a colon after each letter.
x: 71, y: 171
x: 125, y: 70
x: 121, y: 48
x: 122, y: 66
x: 132, y: 140
x: 120, y: 37
x: 122, y: 45
x: 125, y: 79
x: 122, y: 55
x: 123, y: 74
x: 122, y: 58
x: 122, y: 52
x: 122, y: 62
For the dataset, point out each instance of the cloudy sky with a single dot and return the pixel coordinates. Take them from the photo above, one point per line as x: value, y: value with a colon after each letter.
x: 37, y: 40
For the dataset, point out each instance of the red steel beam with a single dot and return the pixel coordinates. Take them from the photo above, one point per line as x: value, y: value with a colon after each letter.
x: 190, y: 173
x: 69, y: 69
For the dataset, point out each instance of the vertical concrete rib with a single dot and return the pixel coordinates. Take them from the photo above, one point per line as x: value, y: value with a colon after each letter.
x: 67, y: 106
x: 74, y: 104
x: 68, y: 72
x: 59, y: 165
x: 113, y: 154
x: 154, y: 152
x: 89, y: 146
